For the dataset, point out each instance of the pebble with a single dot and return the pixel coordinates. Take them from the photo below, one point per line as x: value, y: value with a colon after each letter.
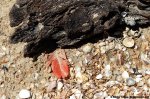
x: 119, y: 78
x: 134, y: 33
x: 144, y: 58
x: 107, y: 67
x: 51, y: 86
x: 128, y: 42
x: 111, y: 45
x: 100, y: 95
x: 102, y: 44
x: 130, y: 81
x: 77, y: 94
x: 108, y: 73
x: 148, y: 82
x: 87, y: 48
x: 125, y: 75
x: 59, y: 85
x: 2, y: 53
x: 24, y: 93
x: 111, y: 83
x: 118, y: 46
x: 138, y: 78
x: 147, y: 71
x: 3, y: 97
x: 130, y: 21
x: 86, y: 85
x: 140, y: 83
x: 103, y: 49
x: 99, y: 76
x: 145, y: 87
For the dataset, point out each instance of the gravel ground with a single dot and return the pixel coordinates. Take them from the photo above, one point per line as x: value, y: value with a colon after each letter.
x: 112, y: 68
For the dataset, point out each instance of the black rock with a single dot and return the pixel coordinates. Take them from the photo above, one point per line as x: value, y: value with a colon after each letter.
x: 48, y: 24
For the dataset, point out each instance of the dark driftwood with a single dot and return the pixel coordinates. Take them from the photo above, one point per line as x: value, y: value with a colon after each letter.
x: 48, y: 24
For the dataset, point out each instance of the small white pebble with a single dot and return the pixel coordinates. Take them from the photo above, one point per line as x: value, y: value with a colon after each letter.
x: 51, y: 86
x: 130, y: 21
x: 100, y: 95
x: 137, y: 79
x: 103, y: 49
x: 107, y: 67
x: 95, y: 15
x: 125, y: 75
x: 108, y: 73
x: 124, y: 49
x: 99, y: 76
x: 3, y: 97
x: 147, y: 72
x: 59, y: 85
x: 102, y: 44
x: 77, y: 94
x: 145, y: 88
x: 24, y: 93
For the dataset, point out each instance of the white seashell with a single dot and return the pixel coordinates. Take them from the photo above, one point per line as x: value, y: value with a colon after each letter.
x: 24, y: 93
x: 125, y: 75
x: 128, y: 42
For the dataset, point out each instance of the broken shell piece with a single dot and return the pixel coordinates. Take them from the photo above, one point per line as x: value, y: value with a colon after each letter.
x: 128, y: 42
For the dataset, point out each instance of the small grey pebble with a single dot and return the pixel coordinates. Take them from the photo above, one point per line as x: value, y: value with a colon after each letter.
x: 130, y: 81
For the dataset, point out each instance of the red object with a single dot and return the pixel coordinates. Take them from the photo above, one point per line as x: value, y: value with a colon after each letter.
x: 59, y: 63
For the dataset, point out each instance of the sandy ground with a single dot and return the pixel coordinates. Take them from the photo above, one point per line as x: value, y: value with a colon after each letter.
x: 17, y: 72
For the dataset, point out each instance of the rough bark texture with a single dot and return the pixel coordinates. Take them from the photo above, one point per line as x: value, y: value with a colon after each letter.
x: 48, y: 24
